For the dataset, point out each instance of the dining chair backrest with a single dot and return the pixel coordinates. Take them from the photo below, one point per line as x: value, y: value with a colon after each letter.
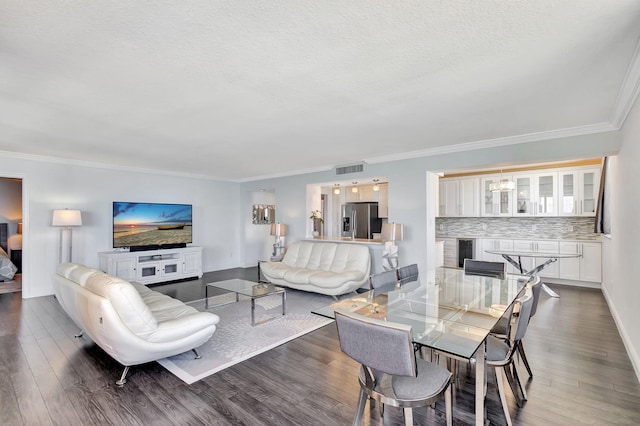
x: 383, y: 282
x: 485, y: 268
x: 384, y: 347
x: 408, y: 273
x: 524, y: 314
x: 535, y: 288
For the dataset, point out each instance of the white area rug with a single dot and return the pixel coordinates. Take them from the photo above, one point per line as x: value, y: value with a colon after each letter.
x: 235, y: 340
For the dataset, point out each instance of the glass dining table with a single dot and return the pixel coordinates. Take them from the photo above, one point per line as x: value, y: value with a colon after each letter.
x: 448, y: 311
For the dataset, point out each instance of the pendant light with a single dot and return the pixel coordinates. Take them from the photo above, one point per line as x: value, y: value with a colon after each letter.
x: 336, y: 190
x: 354, y: 189
x: 503, y: 185
x: 376, y: 187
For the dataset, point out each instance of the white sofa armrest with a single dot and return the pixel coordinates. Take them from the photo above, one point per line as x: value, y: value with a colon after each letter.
x: 177, y: 328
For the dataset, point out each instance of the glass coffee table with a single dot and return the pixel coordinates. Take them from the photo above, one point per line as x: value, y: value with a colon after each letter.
x: 250, y: 289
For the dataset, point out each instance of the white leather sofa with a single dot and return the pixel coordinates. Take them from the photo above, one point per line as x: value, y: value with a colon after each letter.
x: 321, y: 267
x: 129, y: 321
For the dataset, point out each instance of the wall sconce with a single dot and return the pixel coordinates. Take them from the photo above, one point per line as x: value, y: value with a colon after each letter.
x: 376, y: 187
x: 354, y: 189
x: 66, y: 219
x: 391, y: 232
x: 336, y: 190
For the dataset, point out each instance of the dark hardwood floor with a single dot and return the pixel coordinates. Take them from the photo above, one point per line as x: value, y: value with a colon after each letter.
x: 582, y: 374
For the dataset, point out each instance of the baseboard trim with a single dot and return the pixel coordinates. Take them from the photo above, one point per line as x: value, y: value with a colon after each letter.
x: 560, y: 281
x: 631, y: 351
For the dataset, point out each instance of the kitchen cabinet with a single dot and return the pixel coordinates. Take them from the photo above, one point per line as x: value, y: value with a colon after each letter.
x: 383, y: 200
x: 495, y: 203
x: 538, y: 246
x: 450, y: 252
x: 588, y: 267
x: 591, y: 262
x: 365, y: 193
x: 497, y: 244
x: 536, y: 194
x: 578, y: 191
x: 459, y: 197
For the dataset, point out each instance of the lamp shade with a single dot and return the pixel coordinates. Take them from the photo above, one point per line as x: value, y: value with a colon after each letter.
x: 392, y: 231
x: 66, y: 217
x: 503, y: 185
x: 278, y: 229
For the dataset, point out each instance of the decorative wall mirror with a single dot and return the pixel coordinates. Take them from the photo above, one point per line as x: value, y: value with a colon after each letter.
x: 264, y: 214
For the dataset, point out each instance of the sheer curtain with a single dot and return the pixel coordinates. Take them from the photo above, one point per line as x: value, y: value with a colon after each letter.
x: 603, y: 216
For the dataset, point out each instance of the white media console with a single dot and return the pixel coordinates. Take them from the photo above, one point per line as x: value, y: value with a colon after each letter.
x: 153, y: 266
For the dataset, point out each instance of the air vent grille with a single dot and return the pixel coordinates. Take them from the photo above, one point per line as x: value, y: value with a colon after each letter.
x: 356, y: 168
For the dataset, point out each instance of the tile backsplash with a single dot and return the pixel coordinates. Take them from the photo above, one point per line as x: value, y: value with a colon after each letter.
x: 569, y: 228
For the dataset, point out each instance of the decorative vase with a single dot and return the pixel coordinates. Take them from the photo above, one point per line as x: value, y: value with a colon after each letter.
x: 317, y: 227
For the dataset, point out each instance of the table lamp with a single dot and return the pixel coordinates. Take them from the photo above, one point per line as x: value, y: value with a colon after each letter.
x: 391, y: 232
x: 278, y: 230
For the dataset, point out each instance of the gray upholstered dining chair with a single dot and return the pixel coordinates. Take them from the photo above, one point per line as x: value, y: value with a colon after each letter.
x: 390, y: 373
x: 535, y: 289
x: 500, y: 353
x: 407, y: 273
x: 383, y: 282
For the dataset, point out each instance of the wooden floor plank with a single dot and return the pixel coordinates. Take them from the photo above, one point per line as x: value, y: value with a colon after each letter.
x: 582, y: 374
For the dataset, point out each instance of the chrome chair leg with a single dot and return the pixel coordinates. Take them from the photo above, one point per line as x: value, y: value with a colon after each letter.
x: 362, y: 401
x: 123, y: 379
x: 198, y: 356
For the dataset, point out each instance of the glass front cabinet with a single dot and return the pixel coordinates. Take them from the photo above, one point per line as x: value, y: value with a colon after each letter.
x: 578, y: 192
x: 535, y: 194
x: 495, y: 203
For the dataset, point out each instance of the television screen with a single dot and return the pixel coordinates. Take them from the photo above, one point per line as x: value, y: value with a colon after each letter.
x: 151, y: 225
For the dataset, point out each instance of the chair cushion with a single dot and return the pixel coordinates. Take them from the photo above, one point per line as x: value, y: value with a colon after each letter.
x: 430, y: 381
x: 497, y: 349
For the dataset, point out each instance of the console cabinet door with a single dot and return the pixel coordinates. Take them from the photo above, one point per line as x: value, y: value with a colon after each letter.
x: 125, y: 268
x: 191, y: 263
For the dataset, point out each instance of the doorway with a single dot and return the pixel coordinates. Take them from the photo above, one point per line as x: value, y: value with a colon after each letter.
x: 11, y: 229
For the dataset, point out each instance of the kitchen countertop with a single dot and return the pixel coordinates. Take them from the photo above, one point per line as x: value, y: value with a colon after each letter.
x: 375, y: 241
x: 595, y: 237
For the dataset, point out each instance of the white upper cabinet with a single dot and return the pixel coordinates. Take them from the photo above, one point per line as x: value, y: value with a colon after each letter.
x: 535, y: 194
x: 495, y: 203
x: 459, y: 197
x: 578, y: 192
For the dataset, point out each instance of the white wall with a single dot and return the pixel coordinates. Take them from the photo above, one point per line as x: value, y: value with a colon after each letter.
x: 408, y: 184
x: 50, y: 185
x: 621, y: 251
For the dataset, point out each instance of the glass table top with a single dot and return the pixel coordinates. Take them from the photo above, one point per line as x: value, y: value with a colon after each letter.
x: 247, y: 288
x: 447, y: 309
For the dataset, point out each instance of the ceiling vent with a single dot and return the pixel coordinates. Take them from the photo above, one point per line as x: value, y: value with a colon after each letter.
x: 356, y: 168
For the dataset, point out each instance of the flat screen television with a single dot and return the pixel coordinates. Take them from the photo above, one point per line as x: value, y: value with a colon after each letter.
x: 151, y: 226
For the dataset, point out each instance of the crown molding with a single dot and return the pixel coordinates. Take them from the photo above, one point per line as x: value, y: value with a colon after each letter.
x: 629, y: 91
x: 286, y: 174
x: 116, y: 167
x: 498, y: 142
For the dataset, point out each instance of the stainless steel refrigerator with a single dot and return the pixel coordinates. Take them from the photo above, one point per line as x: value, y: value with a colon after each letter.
x: 360, y: 220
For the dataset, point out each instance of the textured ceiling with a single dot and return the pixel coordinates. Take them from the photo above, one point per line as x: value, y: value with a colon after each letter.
x: 243, y: 89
